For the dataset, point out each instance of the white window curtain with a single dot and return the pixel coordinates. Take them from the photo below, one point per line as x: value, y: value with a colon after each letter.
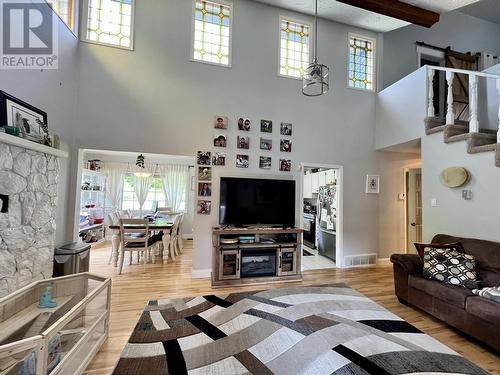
x: 141, y: 187
x: 175, y: 181
x: 115, y: 174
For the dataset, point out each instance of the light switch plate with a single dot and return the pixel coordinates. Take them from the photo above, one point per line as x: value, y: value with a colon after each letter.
x: 434, y: 202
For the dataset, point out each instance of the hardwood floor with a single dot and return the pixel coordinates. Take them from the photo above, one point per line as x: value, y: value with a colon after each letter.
x: 140, y: 283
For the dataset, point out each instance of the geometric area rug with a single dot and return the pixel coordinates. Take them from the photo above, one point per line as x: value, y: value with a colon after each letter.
x: 313, y: 330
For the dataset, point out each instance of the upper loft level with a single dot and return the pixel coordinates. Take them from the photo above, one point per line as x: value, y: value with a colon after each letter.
x: 464, y: 104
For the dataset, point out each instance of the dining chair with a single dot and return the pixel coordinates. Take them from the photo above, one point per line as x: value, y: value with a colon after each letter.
x: 180, y: 240
x: 112, y: 219
x: 174, y: 236
x: 134, y: 235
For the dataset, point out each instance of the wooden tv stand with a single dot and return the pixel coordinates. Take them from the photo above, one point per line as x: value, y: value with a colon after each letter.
x: 274, y: 256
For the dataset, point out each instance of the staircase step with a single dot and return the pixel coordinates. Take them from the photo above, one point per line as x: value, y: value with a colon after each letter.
x: 497, y: 155
x: 434, y: 125
x: 457, y: 138
x: 481, y: 142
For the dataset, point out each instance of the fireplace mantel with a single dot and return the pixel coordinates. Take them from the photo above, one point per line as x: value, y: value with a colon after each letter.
x: 24, y: 143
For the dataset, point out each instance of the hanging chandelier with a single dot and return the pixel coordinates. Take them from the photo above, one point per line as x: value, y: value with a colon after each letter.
x: 315, y: 81
x: 140, y: 167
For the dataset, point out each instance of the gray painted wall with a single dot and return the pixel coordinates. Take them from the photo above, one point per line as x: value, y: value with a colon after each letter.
x: 478, y: 217
x: 53, y: 91
x: 155, y: 100
x: 462, y: 32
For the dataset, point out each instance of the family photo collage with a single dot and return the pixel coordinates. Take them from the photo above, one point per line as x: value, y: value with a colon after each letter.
x: 242, y: 142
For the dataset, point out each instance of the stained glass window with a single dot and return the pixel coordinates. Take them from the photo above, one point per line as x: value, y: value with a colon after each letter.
x: 295, y: 47
x: 212, y: 32
x: 110, y: 22
x: 65, y: 10
x: 361, y: 63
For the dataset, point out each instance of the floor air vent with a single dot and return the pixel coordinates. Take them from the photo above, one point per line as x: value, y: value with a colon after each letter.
x: 360, y: 260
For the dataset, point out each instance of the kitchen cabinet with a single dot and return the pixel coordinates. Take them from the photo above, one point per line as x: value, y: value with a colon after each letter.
x: 322, y: 178
x: 315, y: 183
x: 330, y: 176
x: 308, y: 186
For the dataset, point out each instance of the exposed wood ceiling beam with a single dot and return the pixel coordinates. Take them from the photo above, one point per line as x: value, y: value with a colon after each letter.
x: 397, y: 9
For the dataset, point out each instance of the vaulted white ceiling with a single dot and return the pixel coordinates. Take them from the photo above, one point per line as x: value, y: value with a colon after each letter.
x: 335, y: 11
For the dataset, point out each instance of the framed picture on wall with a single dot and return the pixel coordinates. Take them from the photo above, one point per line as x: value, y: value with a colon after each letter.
x: 244, y: 124
x: 266, y: 126
x: 265, y: 162
x: 204, y: 189
x: 285, y: 128
x: 219, y: 159
x: 285, y: 165
x: 220, y: 140
x: 203, y: 207
x: 31, y: 121
x: 266, y: 144
x: 286, y: 145
x: 242, y: 161
x: 220, y: 122
x: 372, y: 184
x: 243, y: 142
x: 204, y: 173
x: 203, y: 157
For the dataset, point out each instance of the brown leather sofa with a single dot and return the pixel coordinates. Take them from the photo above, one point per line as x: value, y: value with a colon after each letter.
x: 474, y: 315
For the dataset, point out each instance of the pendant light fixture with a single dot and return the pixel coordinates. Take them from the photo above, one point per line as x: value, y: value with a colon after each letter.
x: 315, y: 81
x: 140, y: 168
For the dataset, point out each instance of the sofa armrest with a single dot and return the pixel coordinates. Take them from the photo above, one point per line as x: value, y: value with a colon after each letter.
x: 403, y: 266
x: 410, y: 263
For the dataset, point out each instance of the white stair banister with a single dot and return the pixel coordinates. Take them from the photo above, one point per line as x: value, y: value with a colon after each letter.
x: 430, y: 92
x: 450, y: 114
x: 498, y: 90
x: 473, y: 121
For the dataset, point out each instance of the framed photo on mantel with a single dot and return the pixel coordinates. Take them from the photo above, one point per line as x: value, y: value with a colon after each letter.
x: 31, y: 121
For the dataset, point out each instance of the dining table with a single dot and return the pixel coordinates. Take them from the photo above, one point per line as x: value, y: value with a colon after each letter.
x: 164, y: 223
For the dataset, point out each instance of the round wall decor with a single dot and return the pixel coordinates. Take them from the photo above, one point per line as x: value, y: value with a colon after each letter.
x: 454, y: 177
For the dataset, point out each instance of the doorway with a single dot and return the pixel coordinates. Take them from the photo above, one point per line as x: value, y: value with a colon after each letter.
x: 414, y: 224
x: 321, y: 215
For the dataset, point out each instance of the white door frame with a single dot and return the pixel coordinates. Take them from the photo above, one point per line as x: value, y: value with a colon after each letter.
x: 339, y: 254
x: 406, y: 170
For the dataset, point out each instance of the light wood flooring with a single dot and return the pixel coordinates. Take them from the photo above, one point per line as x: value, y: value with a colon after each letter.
x: 140, y: 283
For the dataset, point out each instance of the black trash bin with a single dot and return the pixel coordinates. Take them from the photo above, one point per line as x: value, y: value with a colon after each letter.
x: 71, y: 258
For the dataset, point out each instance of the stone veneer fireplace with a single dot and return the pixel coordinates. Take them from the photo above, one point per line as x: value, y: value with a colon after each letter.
x: 28, y: 188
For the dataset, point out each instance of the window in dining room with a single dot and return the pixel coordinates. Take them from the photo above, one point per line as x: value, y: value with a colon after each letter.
x: 212, y: 32
x: 156, y: 193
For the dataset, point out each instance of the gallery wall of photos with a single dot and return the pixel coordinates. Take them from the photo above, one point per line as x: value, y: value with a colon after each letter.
x: 259, y: 137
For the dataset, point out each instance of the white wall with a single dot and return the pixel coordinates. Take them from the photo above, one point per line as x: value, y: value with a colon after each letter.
x: 401, y: 110
x: 154, y: 99
x: 478, y: 217
x: 53, y: 91
x: 391, y: 217
x: 460, y: 31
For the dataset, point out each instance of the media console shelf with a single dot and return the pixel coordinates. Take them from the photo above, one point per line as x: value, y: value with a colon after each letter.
x: 243, y: 256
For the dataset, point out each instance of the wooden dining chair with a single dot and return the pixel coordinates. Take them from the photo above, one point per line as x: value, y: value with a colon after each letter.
x: 174, y: 236
x: 135, y: 237
x: 180, y: 240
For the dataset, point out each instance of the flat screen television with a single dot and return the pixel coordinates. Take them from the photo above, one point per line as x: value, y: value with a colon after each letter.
x: 250, y: 201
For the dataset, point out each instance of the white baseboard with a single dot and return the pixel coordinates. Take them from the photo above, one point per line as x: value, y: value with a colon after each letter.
x: 201, y: 274
x: 384, y: 262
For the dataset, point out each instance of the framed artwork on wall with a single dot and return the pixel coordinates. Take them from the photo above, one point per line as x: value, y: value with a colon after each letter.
x: 219, y: 159
x: 244, y: 124
x: 242, y: 161
x: 266, y: 126
x: 286, y: 145
x: 243, y: 142
x: 266, y: 144
x: 285, y: 165
x: 204, y: 189
x: 204, y: 173
x: 220, y: 122
x: 203, y: 207
x: 220, y: 140
x: 30, y: 121
x: 265, y: 162
x: 285, y: 128
x: 204, y: 157
x: 372, y: 184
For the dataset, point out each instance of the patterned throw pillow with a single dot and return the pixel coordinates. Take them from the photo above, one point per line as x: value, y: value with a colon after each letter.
x: 450, y: 267
x: 421, y: 247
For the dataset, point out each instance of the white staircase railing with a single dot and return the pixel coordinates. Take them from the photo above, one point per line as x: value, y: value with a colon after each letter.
x: 473, y: 76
